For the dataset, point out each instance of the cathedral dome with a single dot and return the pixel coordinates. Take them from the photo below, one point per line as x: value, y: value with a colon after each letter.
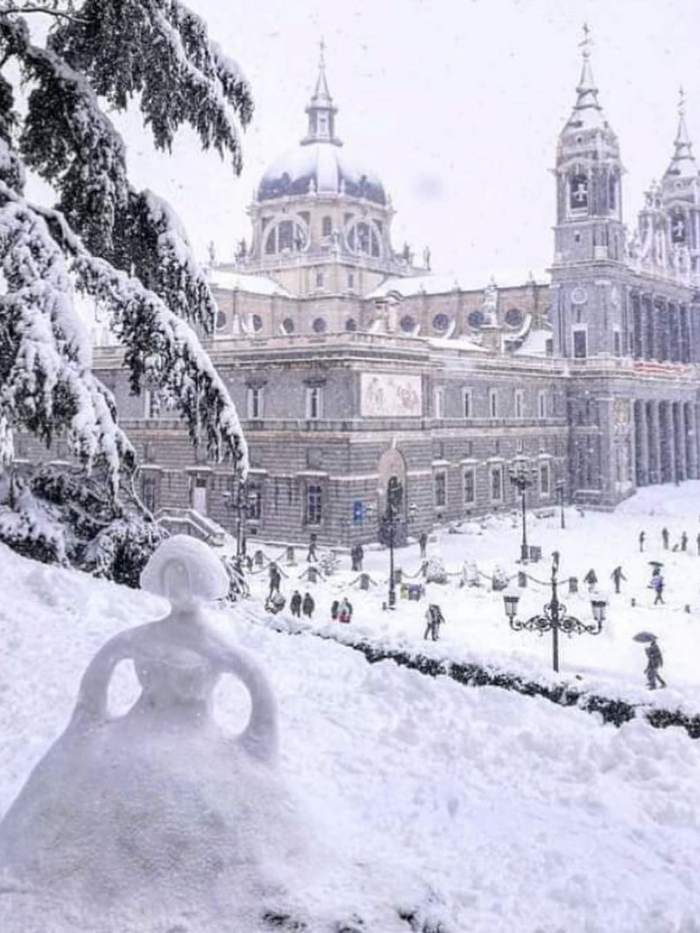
x: 320, y: 167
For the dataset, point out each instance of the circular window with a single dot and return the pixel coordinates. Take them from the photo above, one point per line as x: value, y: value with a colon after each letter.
x: 579, y: 295
x: 221, y: 320
x: 476, y: 319
x: 351, y: 325
x: 288, y: 325
x: 440, y: 323
x: 319, y: 325
x: 514, y: 317
x: 408, y: 323
x: 257, y: 323
x: 286, y: 236
x: 363, y: 238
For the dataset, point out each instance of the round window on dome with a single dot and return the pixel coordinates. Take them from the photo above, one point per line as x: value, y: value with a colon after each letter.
x: 288, y: 325
x: 440, y: 323
x: 407, y: 323
x: 476, y: 319
x: 514, y: 317
x: 257, y: 323
x: 319, y: 325
x: 221, y: 320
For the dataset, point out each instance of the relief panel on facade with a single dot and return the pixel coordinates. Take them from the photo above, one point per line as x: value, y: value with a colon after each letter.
x: 385, y: 395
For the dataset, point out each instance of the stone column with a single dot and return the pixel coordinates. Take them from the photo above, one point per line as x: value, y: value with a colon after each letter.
x: 691, y: 458
x: 641, y: 447
x: 653, y: 442
x: 679, y: 442
x: 667, y: 443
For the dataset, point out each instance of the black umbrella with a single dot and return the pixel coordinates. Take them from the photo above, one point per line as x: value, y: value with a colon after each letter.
x: 656, y: 563
x: 644, y: 636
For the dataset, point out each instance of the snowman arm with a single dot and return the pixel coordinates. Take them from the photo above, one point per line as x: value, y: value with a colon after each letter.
x: 91, y: 705
x: 259, y: 738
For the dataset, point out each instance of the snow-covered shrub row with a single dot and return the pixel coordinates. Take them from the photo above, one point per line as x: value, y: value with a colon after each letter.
x: 612, y: 710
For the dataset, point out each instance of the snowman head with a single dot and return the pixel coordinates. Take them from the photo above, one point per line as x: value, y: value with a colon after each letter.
x: 186, y: 571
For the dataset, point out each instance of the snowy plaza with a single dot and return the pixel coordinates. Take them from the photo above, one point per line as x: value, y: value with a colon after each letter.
x: 468, y: 808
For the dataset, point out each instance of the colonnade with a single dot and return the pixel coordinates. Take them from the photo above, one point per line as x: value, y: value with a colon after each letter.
x: 660, y: 329
x: 666, y: 441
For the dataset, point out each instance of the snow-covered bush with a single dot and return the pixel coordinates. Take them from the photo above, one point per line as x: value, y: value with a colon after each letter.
x: 435, y: 570
x: 58, y: 515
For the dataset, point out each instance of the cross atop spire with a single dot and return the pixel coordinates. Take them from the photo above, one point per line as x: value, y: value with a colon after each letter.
x: 586, y: 42
x: 321, y: 109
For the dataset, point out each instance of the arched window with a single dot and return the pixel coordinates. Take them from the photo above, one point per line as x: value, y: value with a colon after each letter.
x: 257, y: 323
x: 578, y: 192
x: 286, y: 236
x: 288, y: 325
x: 475, y: 319
x: 221, y: 320
x: 326, y: 226
x: 514, y: 317
x: 319, y: 325
x: 363, y: 238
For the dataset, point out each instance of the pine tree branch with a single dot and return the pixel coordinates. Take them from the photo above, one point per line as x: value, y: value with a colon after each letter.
x: 59, y: 14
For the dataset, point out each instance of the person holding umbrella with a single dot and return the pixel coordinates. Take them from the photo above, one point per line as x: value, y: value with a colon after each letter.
x: 654, y: 659
x: 657, y: 583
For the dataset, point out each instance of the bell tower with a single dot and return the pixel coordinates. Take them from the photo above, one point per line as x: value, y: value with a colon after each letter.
x: 588, y: 173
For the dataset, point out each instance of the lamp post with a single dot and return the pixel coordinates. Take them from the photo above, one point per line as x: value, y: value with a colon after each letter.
x: 521, y: 476
x: 554, y: 616
x: 560, y: 495
x: 239, y: 499
x: 392, y: 517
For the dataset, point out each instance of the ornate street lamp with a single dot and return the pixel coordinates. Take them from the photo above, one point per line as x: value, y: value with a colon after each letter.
x: 560, y: 487
x: 554, y: 617
x: 522, y: 476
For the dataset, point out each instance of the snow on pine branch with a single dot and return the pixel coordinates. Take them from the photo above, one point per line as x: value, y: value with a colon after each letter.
x: 160, y: 347
x: 159, y: 51
x: 46, y: 383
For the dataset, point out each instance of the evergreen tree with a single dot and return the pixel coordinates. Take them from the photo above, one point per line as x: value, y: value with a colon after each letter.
x: 122, y: 247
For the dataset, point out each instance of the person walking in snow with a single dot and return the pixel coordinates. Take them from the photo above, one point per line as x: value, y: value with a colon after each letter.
x: 434, y: 619
x: 312, y: 556
x: 664, y: 537
x: 295, y: 604
x: 684, y: 542
x: 275, y: 579
x: 642, y: 536
x: 423, y: 544
x: 617, y: 576
x: 591, y: 579
x: 657, y: 585
x: 335, y: 607
x: 308, y: 605
x: 654, y: 662
x: 357, y: 556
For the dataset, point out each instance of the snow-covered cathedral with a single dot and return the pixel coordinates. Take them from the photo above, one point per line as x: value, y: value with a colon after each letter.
x: 350, y: 363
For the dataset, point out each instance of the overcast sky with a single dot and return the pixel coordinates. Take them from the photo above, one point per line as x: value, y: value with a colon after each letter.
x: 457, y: 106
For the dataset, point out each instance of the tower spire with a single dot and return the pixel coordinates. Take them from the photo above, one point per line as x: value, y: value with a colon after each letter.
x: 683, y: 161
x: 587, y: 109
x: 321, y: 110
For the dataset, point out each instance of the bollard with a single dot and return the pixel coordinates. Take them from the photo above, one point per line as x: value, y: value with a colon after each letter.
x: 686, y: 608
x: 398, y: 575
x: 258, y: 558
x: 573, y: 585
x: 364, y: 581
x: 312, y: 575
x: 633, y: 602
x: 290, y: 555
x: 522, y: 578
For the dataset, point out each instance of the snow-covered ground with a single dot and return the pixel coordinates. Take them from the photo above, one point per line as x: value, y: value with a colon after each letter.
x: 473, y: 808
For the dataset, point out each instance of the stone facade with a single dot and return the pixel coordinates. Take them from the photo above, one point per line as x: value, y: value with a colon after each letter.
x: 350, y: 364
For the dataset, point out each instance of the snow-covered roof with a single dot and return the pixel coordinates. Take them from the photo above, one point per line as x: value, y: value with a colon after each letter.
x: 323, y: 168
x: 535, y: 344
x: 466, y: 282
x: 457, y: 343
x: 256, y: 284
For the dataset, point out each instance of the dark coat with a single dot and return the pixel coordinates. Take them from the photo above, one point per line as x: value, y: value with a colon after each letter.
x: 308, y: 605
